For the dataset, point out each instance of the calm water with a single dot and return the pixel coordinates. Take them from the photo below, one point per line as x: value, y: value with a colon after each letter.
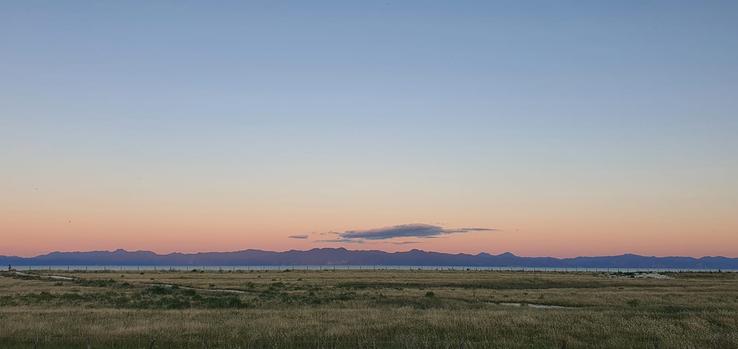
x: 348, y: 267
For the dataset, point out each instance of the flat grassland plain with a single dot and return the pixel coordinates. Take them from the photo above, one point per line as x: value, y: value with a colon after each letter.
x: 366, y: 309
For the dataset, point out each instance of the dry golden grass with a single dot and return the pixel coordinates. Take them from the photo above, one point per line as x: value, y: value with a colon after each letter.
x: 367, y: 309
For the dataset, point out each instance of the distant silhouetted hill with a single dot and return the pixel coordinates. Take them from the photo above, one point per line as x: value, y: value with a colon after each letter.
x: 342, y: 256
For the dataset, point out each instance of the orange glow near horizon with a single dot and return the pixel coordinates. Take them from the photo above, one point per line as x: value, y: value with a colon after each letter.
x: 162, y: 217
x: 559, y: 234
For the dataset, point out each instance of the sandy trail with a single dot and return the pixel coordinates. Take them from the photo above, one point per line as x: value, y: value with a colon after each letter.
x: 535, y: 306
x: 52, y: 277
x: 224, y: 290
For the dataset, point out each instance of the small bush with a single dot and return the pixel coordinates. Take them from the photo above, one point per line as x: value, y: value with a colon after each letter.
x: 160, y: 290
x: 222, y: 302
x: 96, y: 283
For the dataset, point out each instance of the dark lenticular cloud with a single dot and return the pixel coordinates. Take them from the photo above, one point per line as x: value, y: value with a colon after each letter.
x: 300, y: 236
x: 406, y: 230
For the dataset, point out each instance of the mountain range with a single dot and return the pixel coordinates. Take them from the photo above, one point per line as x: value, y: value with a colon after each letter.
x: 342, y: 256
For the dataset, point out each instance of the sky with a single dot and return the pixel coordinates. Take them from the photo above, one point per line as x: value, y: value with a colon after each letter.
x: 543, y: 128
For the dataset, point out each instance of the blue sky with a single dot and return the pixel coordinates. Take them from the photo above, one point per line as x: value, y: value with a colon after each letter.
x: 474, y: 113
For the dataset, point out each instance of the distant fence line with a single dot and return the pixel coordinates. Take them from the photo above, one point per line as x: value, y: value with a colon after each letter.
x: 357, y: 267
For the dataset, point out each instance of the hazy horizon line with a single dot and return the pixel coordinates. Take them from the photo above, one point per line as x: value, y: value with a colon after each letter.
x: 361, y: 250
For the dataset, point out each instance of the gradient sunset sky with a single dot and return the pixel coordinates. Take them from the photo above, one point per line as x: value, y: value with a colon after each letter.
x: 556, y: 128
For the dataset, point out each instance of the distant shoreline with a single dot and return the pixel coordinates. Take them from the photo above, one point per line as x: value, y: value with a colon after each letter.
x: 358, y: 258
x: 257, y: 268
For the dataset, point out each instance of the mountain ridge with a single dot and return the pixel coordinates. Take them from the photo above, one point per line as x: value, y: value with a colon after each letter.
x: 343, y: 256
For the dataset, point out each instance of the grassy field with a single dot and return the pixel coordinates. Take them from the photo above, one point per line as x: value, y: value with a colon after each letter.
x: 366, y: 309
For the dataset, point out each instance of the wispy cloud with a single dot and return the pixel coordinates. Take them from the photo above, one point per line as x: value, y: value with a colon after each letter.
x: 407, y: 231
x: 350, y: 241
x: 299, y: 236
x: 405, y: 242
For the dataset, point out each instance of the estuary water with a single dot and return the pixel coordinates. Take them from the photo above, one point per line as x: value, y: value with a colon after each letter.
x: 226, y: 268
